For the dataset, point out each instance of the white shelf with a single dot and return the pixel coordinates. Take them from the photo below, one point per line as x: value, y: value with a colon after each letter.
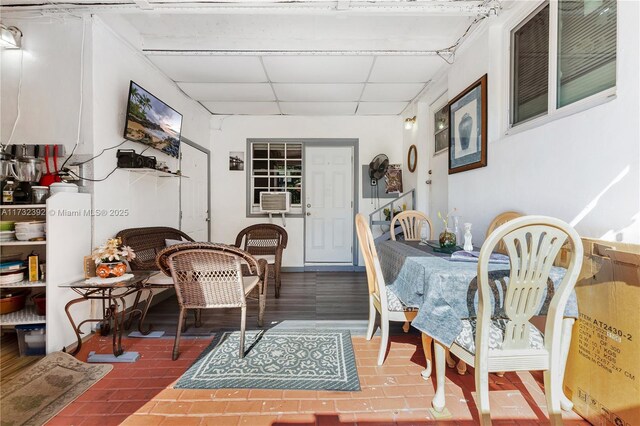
x: 24, y: 206
x: 25, y: 316
x: 24, y: 284
x: 24, y: 243
x: 153, y: 172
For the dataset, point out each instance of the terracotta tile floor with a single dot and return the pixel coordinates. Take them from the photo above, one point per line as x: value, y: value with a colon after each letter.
x: 141, y: 393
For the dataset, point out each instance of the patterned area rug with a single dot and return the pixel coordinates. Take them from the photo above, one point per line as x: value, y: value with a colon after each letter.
x: 276, y: 359
x: 40, y: 392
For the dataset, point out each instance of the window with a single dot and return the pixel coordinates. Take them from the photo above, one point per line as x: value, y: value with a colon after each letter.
x: 276, y: 167
x: 584, y: 37
x: 441, y: 129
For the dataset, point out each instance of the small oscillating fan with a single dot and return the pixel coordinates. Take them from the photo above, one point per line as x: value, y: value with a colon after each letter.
x: 378, y: 168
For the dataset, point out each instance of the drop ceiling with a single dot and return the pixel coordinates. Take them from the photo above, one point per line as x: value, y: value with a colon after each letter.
x: 295, y: 58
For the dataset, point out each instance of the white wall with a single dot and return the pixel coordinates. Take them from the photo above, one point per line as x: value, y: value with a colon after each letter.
x: 376, y: 135
x: 150, y: 200
x: 584, y: 168
x: 50, y: 97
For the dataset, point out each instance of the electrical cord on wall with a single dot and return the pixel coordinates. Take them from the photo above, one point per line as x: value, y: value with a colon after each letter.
x: 92, y: 180
x: 82, y: 43
x: 15, y: 123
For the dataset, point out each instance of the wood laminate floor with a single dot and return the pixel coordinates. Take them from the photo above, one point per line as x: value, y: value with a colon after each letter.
x: 336, y: 300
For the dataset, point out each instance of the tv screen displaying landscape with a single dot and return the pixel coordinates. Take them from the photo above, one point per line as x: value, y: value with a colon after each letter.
x: 152, y: 122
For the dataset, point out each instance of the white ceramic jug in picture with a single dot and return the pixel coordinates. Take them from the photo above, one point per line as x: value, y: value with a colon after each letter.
x: 468, y: 245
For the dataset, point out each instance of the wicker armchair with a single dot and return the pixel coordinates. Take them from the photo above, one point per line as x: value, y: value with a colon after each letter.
x: 265, y: 241
x: 147, y: 243
x: 209, y: 276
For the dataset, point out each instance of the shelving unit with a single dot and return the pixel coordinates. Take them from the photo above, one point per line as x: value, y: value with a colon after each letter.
x: 154, y: 172
x: 68, y: 240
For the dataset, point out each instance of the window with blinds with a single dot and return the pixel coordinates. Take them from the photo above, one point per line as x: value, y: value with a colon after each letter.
x: 276, y: 167
x: 531, y: 67
x: 585, y: 42
x: 586, y: 48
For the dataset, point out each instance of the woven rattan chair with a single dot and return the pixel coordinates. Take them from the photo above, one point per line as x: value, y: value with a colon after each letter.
x: 209, y: 276
x: 265, y: 241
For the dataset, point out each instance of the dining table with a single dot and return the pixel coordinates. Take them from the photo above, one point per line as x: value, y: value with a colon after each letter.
x: 444, y: 290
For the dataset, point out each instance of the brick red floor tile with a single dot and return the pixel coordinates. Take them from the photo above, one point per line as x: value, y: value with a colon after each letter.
x: 141, y: 393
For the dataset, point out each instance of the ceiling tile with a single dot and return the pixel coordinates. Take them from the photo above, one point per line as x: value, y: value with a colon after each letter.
x: 211, y: 69
x: 391, y: 92
x: 318, y: 69
x: 405, y: 69
x: 318, y: 108
x: 248, y: 108
x: 381, y: 108
x: 229, y: 91
x: 318, y: 92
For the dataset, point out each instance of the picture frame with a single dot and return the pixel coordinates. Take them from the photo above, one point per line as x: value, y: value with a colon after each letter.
x: 468, y: 128
x: 236, y: 160
x: 441, y: 130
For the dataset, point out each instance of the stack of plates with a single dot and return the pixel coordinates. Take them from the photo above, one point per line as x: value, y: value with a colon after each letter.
x: 6, y: 236
x: 26, y: 231
x: 12, y: 272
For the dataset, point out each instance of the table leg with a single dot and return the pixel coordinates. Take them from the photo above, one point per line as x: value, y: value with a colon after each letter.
x: 565, y: 342
x: 134, y: 311
x: 438, y: 401
x: 426, y: 348
x: 76, y: 329
x: 144, y: 313
x: 118, y: 325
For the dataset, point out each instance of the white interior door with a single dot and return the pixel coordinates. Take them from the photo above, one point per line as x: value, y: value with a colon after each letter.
x: 439, y: 188
x: 329, y: 205
x: 194, y: 193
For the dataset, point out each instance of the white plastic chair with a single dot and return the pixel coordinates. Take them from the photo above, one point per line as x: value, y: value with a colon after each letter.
x: 381, y: 299
x: 411, y: 222
x: 514, y: 344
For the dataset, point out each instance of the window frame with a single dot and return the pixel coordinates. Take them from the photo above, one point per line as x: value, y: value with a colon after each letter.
x: 553, y: 112
x: 252, y: 208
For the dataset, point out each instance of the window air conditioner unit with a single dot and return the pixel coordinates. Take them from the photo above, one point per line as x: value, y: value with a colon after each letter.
x: 275, y: 202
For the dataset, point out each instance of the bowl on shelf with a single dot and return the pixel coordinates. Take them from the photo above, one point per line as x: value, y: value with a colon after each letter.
x: 6, y: 236
x: 32, y: 236
x: 40, y: 301
x: 14, y: 276
x: 7, y: 225
x: 35, y: 225
x: 12, y: 301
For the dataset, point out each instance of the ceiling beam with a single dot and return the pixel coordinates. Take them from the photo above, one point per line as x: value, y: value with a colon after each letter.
x: 234, y: 52
x: 336, y: 7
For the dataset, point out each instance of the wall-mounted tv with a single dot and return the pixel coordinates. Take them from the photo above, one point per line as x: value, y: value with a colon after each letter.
x: 152, y: 122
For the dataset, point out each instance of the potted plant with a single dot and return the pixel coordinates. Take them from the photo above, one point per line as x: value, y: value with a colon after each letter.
x: 447, y: 238
x: 110, y: 258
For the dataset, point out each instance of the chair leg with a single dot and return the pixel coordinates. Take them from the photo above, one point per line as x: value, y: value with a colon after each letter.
x: 184, y: 320
x: 198, y: 317
x: 243, y: 323
x: 482, y: 395
x: 372, y: 318
x: 277, y: 280
x: 406, y: 326
x: 426, y: 348
x: 438, y: 402
x: 262, y: 302
x: 553, y: 392
x: 449, y: 359
x: 176, y: 343
x: 384, y: 338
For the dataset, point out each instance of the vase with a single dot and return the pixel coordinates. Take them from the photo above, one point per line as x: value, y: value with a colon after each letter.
x: 111, y: 269
x: 464, y: 129
x: 447, y: 239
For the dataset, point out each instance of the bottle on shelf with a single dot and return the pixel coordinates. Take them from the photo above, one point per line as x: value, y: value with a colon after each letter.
x: 7, y: 192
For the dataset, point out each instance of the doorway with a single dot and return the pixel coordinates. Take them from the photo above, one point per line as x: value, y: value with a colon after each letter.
x: 194, y: 191
x: 439, y: 174
x: 329, y: 204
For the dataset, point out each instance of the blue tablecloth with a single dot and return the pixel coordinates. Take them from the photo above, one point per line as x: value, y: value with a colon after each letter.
x: 446, y: 291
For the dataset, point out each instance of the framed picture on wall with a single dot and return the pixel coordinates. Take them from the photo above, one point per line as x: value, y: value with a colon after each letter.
x: 236, y: 160
x: 441, y: 129
x: 468, y: 128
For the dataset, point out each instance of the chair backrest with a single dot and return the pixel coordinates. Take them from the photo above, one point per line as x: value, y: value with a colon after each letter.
x: 411, y: 222
x: 207, y: 278
x: 501, y: 219
x: 263, y: 239
x: 371, y: 261
x: 147, y: 243
x: 532, y: 244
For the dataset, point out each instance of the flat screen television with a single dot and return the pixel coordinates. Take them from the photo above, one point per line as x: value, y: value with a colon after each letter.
x: 152, y: 122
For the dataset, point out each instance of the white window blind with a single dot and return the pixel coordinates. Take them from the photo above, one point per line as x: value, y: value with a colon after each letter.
x: 586, y: 48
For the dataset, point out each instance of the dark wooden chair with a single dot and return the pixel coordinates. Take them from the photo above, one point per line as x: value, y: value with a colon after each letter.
x: 265, y: 241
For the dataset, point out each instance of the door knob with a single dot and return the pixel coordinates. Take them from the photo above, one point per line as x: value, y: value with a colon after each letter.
x: 308, y: 205
x: 308, y: 214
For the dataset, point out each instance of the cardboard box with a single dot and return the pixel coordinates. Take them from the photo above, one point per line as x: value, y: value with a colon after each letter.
x: 603, y: 370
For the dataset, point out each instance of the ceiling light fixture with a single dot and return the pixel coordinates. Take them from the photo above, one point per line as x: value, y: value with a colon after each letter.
x: 409, y: 122
x: 10, y: 37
